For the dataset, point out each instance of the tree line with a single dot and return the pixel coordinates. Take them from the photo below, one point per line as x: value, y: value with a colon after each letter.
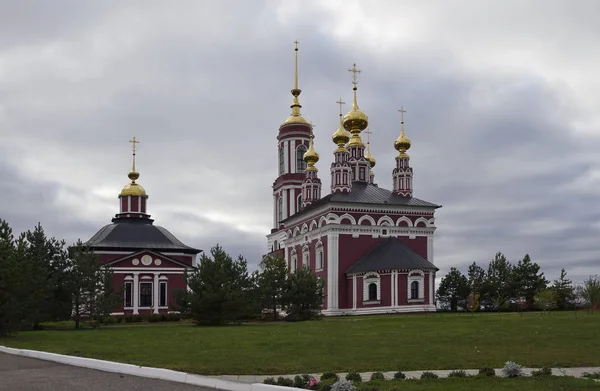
x: 505, y: 286
x: 44, y: 280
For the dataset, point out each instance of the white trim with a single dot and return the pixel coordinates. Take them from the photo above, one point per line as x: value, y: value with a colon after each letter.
x: 354, y: 291
x: 129, y: 204
x: 285, y: 205
x: 155, y: 287
x: 430, y: 287
x: 140, y: 294
x: 138, y: 271
x: 140, y: 205
x: 319, y: 256
x: 292, y: 196
x: 125, y: 283
x: 368, y: 279
x: 419, y: 277
x: 381, y: 310
x: 136, y: 290
x: 368, y: 218
x: 160, y: 283
x: 430, y: 249
x: 286, y: 157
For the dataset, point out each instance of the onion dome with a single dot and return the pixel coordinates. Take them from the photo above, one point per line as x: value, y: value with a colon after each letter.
x: 311, y: 156
x: 402, y: 144
x: 296, y: 117
x: 133, y: 189
x: 341, y: 137
x: 355, y: 121
x: 370, y: 158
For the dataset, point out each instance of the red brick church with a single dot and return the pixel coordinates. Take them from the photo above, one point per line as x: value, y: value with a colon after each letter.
x: 147, y: 261
x: 372, y: 246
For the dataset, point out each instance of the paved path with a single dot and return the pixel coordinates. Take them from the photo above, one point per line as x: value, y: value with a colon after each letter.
x: 19, y: 373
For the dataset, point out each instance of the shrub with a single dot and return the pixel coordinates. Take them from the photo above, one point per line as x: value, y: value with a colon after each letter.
x: 377, y: 376
x: 354, y: 377
x: 545, y: 371
x: 457, y: 374
x: 284, y: 381
x: 399, y: 375
x: 592, y: 375
x: 325, y: 384
x: 512, y: 369
x: 270, y: 380
x: 487, y: 372
x: 343, y: 385
x: 366, y: 387
x: 428, y: 376
x: 299, y: 382
x: 330, y: 375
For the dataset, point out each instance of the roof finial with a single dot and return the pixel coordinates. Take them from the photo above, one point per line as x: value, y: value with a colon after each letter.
x: 133, y: 175
x: 340, y: 102
x: 402, y: 143
x: 311, y: 157
x: 296, y: 117
x: 341, y: 135
x: 354, y: 70
x: 368, y: 155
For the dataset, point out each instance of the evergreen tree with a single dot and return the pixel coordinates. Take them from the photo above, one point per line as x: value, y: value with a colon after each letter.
x: 476, y: 279
x: 453, y: 290
x: 221, y: 289
x: 563, y: 291
x: 304, y: 295
x: 8, y: 271
x: 527, y: 281
x: 91, y: 286
x: 498, y: 281
x: 271, y: 284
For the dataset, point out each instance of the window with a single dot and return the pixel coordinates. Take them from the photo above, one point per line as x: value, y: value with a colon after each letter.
x: 294, y: 263
x: 305, y: 262
x: 145, y: 294
x: 128, y: 294
x: 372, y: 291
x: 362, y: 173
x: 281, y: 157
x: 280, y: 210
x: 320, y: 259
x: 298, y: 203
x: 300, y: 163
x: 162, y: 297
x: 414, y: 290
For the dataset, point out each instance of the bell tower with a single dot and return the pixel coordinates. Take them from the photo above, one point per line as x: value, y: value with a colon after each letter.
x: 292, y: 143
x: 133, y: 198
x: 403, y: 173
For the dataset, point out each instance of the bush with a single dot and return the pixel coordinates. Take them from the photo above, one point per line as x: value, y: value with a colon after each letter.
x: 366, y: 387
x: 487, y: 372
x: 343, y: 385
x: 330, y: 375
x: 428, y: 376
x: 545, y: 371
x: 284, y: 381
x: 270, y: 380
x: 592, y: 375
x: 354, y: 377
x: 325, y: 384
x: 299, y: 382
x: 457, y: 374
x: 155, y: 318
x: 377, y: 376
x: 399, y: 376
x: 512, y: 369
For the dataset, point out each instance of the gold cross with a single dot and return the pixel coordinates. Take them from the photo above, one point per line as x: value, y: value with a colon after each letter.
x: 402, y: 111
x: 296, y: 42
x: 312, y: 135
x: 133, y: 142
x: 355, y: 71
x: 368, y: 132
x: 341, y: 103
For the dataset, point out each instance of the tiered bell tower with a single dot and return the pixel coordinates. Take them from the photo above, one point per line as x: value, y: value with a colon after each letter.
x: 355, y: 121
x: 292, y: 143
x: 133, y: 197
x: 403, y: 173
x: 370, y: 158
x: 311, y: 186
x: 341, y: 172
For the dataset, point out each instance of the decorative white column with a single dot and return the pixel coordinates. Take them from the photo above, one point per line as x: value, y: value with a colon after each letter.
x: 354, y: 292
x: 393, y: 288
x: 333, y: 241
x: 136, y: 293
x: 431, y: 287
x: 156, y: 291
x: 430, y: 249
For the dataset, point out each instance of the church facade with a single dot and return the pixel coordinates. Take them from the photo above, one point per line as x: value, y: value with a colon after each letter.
x: 147, y: 261
x: 373, y: 247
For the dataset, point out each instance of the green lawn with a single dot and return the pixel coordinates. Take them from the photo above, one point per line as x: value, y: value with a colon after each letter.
x: 383, y: 343
x: 554, y: 383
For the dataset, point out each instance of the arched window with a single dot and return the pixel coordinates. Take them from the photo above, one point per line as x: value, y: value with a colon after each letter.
x: 281, y: 165
x: 321, y: 259
x: 300, y: 163
x: 372, y: 291
x: 299, y: 203
x: 280, y: 210
x: 414, y: 290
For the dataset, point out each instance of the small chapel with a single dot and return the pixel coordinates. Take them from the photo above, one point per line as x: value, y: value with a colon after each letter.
x: 147, y: 261
x: 373, y: 247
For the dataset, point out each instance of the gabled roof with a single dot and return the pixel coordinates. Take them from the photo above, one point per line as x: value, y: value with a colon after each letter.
x: 390, y: 254
x: 137, y: 234
x: 167, y: 258
x: 364, y: 193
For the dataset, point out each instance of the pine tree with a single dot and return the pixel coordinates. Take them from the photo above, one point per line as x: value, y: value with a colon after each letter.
x: 453, y: 290
x: 527, y: 280
x: 563, y: 291
x: 304, y: 295
x: 271, y: 284
x: 498, y: 281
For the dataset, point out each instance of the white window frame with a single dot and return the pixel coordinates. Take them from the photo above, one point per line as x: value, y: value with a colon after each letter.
x: 371, y: 278
x: 419, y: 277
x: 319, y: 257
x: 128, y: 282
x: 300, y: 163
x: 151, y: 295
x: 161, y: 282
x: 294, y: 261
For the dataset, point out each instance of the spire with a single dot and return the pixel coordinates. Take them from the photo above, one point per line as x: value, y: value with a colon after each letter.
x: 403, y: 173
x: 370, y: 157
x: 133, y: 189
x: 296, y: 117
x: 402, y: 143
x: 341, y: 135
x: 311, y: 156
x: 355, y: 120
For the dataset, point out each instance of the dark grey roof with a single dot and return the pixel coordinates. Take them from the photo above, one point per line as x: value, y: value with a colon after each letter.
x: 364, y: 193
x: 137, y: 234
x: 390, y: 254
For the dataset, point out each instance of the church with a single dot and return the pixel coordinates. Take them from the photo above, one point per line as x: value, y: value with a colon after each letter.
x: 372, y: 247
x: 147, y: 261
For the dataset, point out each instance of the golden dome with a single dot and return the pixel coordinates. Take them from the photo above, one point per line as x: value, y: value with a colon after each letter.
x: 133, y: 189
x: 402, y: 143
x: 295, y: 119
x: 370, y: 158
x: 356, y: 119
x: 311, y: 156
x: 341, y: 136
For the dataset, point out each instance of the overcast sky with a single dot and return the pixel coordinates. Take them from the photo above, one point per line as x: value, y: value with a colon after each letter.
x: 502, y: 103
